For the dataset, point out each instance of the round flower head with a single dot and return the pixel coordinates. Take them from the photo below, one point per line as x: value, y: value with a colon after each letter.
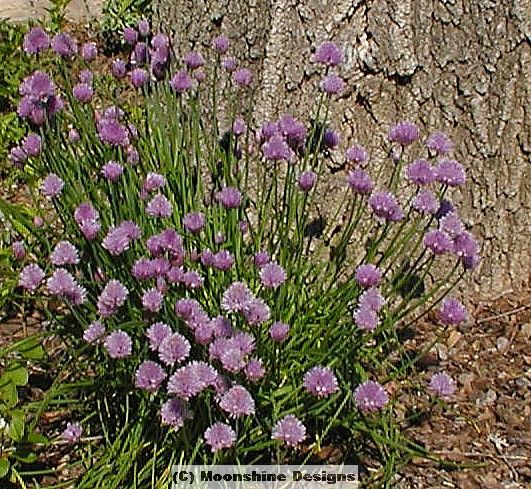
x: 331, y: 139
x: 149, y: 376
x: 451, y: 173
x: 261, y: 258
x: 153, y: 181
x: 32, y: 144
x: 156, y: 334
x: 320, y: 381
x: 368, y: 275
x: 272, y: 275
x: 18, y: 250
x: 356, y: 154
x: 360, y: 181
x: 64, y: 45
x: 332, y: 84
x: 173, y: 413
x: 31, y: 277
x: 441, y: 385
x: 72, y: 433
x: 242, y: 77
x: 229, y: 63
x: 452, y: 225
x: 73, y: 136
x: 220, y: 435
x: 254, y: 370
x: 130, y: 35
x: 452, y: 312
x: 385, y: 206
x: 370, y: 396
x: 112, y: 171
x: 223, y: 260
x: 85, y: 212
x: 425, y: 202
x: 52, y: 186
x: 229, y: 197
x: 159, y: 206
x: 139, y: 77
x: 438, y: 242
x: 181, y: 82
x: 289, y: 430
x: 64, y: 253
x: 173, y: 348
x: 306, y: 181
x: 17, y: 156
x: 38, y: 221
x: 35, y: 41
x: 63, y: 284
x: 372, y: 299
x: 112, y: 298
x: 221, y: 44
x: 279, y: 332
x: 193, y: 60
x: 118, y: 344
x: 276, y: 149
x: 112, y: 132
x: 184, y: 383
x: 329, y: 53
x: 440, y: 143
x: 119, y: 68
x: 420, y: 172
x: 256, y: 312
x: 444, y: 208
x: 94, y: 332
x: 143, y: 27
x: 237, y: 402
x: 366, y: 318
x: 404, y: 133
x: 194, y: 222
x: 236, y: 297
x: 83, y: 92
x: 152, y: 300
x: 465, y: 245
x: 89, y: 51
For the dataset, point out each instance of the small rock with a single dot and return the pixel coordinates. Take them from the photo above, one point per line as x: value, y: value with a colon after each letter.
x: 487, y: 398
x: 502, y: 343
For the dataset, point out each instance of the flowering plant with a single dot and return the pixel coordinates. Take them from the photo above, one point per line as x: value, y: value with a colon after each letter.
x: 184, y: 266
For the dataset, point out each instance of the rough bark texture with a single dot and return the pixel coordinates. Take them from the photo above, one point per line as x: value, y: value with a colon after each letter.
x: 462, y: 66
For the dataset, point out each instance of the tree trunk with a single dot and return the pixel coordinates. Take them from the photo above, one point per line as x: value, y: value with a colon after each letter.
x: 461, y: 66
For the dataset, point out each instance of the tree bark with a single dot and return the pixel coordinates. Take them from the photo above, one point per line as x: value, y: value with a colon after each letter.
x: 461, y: 66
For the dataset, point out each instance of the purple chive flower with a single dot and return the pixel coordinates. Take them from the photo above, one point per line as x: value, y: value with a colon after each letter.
x: 441, y: 385
x: 187, y: 308
x: 35, y: 41
x: 293, y: 130
x: 112, y: 132
x: 261, y: 258
x: 85, y: 212
x: 119, y: 238
x: 289, y: 430
x: 329, y: 53
x: 86, y: 76
x: 368, y: 275
x: 306, y: 181
x: 360, y: 181
x: 194, y: 222
x: 149, y: 376
x: 130, y: 35
x: 173, y: 413
x: 83, y: 92
x: 450, y: 172
x: 112, y: 171
x: 153, y: 181
x: 256, y: 312
x: 221, y: 44
x: 64, y: 253
x: 452, y: 225
x: 31, y: 277
x: 279, y: 332
x: 236, y: 297
x: 159, y: 206
x: 119, y: 68
x: 89, y: 51
x: 18, y: 250
x: 366, y: 318
x: 420, y: 172
x: 331, y: 139
x: 223, y: 260
x: 356, y: 154
x: 32, y: 144
x: 229, y: 197
x: 156, y: 334
x: 254, y: 370
x: 332, y: 84
x: 229, y: 63
x: 152, y: 300
x: 63, y: 284
x: 425, y: 202
x: 452, y: 312
x: 219, y: 435
x: 94, y: 332
x: 143, y: 27
x: 184, y: 383
x: 72, y: 433
x: 272, y: 275
x: 52, y: 186
x: 17, y: 156
x: 440, y: 143
x: 118, y: 344
x: 193, y: 60
x: 173, y: 348
x: 438, y: 242
x: 404, y: 133
x: 239, y: 126
x: 237, y: 402
x: 38, y: 221
x: 112, y: 298
x: 64, y: 45
x: 73, y: 136
x: 320, y: 381
x: 207, y: 258
x: 276, y: 149
x: 444, y: 208
x: 242, y: 77
x: 466, y: 246
x: 385, y: 206
x: 139, y: 77
x: 370, y: 396
x: 372, y: 299
x: 89, y: 229
x: 139, y: 54
x: 181, y: 82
